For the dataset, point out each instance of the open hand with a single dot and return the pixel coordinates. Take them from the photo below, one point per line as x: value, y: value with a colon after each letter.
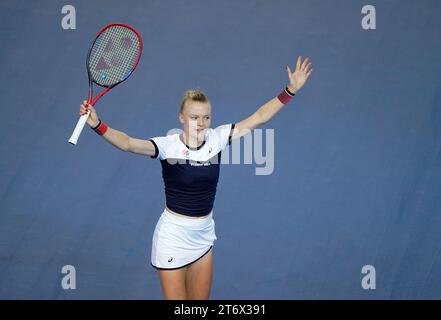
x: 297, y: 79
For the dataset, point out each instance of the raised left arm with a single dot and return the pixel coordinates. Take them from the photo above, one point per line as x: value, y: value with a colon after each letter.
x: 297, y: 80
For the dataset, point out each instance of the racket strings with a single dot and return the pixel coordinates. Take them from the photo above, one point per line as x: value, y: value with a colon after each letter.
x: 113, y: 55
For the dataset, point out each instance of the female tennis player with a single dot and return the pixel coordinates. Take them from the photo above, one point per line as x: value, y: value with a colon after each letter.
x: 185, y: 233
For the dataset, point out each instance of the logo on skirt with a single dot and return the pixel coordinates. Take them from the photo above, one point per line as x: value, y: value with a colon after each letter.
x: 170, y: 260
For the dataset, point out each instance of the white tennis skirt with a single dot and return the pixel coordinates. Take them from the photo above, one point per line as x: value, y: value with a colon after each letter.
x: 180, y: 241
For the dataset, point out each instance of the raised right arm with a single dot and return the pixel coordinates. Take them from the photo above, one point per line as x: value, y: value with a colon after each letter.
x: 117, y: 138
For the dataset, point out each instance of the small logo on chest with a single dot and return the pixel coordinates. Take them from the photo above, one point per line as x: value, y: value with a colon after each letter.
x: 185, y: 152
x: 200, y: 164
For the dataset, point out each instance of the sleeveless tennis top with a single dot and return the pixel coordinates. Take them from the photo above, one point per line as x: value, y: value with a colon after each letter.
x: 191, y: 174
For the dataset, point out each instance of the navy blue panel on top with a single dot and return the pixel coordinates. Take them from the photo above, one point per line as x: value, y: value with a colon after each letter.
x: 190, y: 187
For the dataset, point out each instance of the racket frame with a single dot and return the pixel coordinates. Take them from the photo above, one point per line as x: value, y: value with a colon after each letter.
x: 90, y: 100
x: 108, y: 88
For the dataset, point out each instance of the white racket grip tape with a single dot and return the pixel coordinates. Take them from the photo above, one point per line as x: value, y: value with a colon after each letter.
x: 77, y: 131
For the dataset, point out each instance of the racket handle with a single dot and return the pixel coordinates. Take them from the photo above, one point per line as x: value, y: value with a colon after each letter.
x: 77, y: 131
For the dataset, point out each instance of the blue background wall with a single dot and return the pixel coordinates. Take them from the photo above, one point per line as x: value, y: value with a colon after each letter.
x: 357, y: 176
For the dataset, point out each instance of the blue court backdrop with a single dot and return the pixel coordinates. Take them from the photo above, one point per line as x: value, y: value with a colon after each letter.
x: 357, y: 154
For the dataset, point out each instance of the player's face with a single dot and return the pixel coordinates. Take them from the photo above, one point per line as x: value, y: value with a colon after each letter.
x: 196, y: 119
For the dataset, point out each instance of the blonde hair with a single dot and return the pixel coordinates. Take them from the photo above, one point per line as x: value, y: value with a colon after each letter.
x: 193, y: 95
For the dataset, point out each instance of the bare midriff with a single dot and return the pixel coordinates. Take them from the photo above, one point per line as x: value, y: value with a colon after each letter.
x: 183, y: 215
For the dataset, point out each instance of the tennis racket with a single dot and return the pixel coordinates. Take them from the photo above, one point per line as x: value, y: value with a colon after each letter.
x: 112, y: 58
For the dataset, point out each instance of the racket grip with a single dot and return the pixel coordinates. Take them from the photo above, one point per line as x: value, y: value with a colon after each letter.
x: 77, y: 131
